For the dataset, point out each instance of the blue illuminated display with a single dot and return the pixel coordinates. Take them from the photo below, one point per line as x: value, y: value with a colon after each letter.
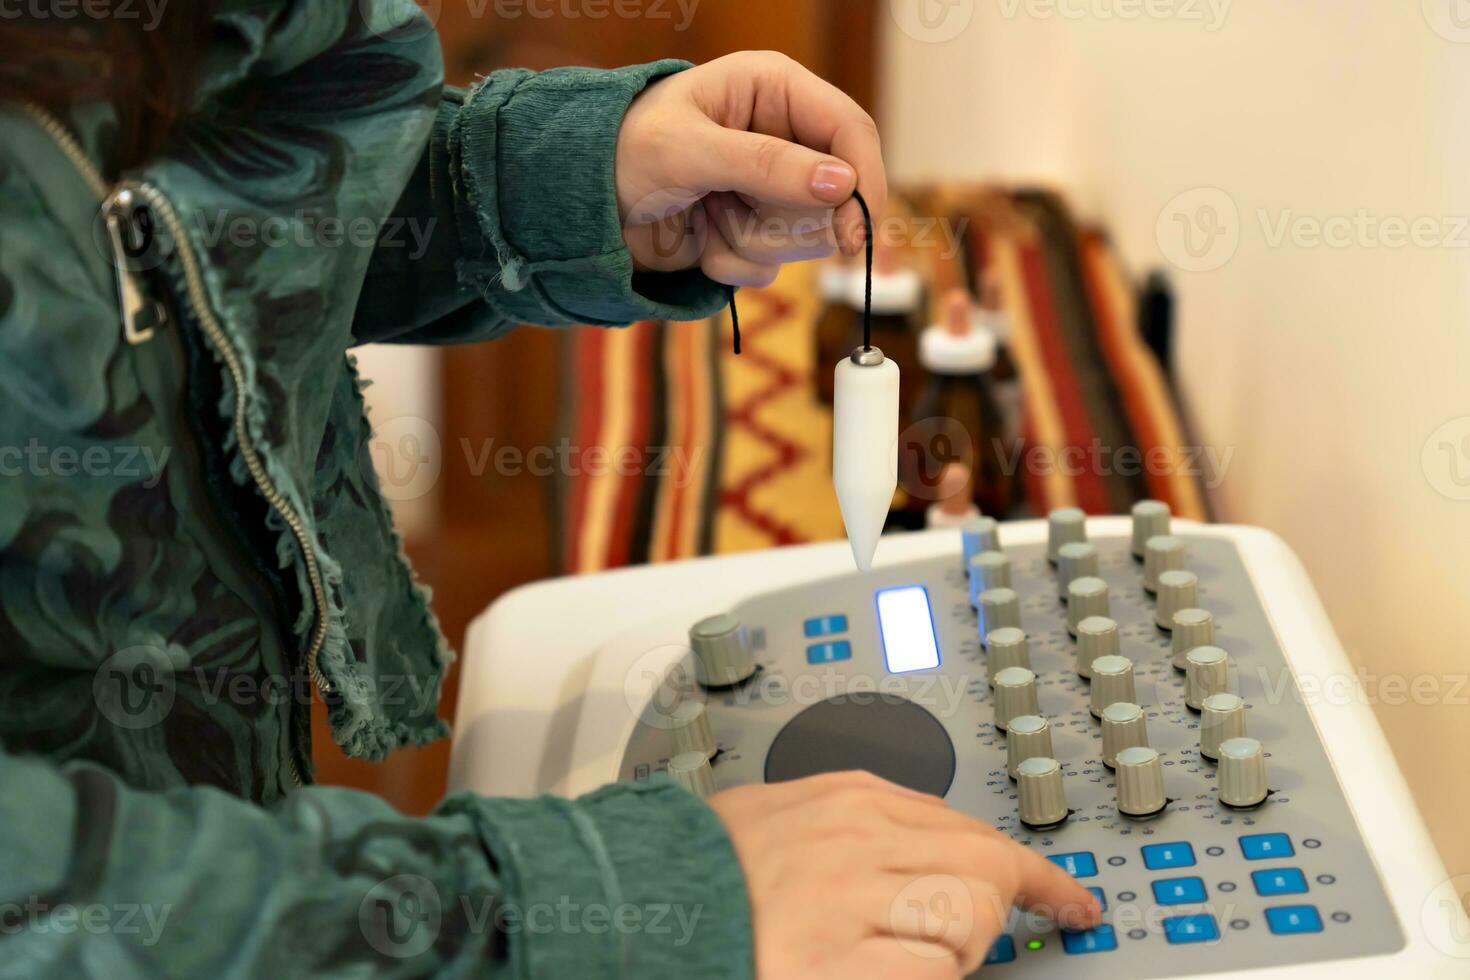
x: 906, y: 624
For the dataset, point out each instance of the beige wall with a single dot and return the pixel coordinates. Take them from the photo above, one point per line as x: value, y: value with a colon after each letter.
x: 1327, y: 368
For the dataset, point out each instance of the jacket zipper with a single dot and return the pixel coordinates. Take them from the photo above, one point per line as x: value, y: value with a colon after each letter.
x: 140, y: 318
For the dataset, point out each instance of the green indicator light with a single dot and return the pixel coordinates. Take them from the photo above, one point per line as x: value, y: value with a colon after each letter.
x: 1035, y: 944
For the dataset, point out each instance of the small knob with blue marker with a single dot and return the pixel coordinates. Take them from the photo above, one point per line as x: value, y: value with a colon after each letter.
x: 989, y: 570
x: 977, y: 535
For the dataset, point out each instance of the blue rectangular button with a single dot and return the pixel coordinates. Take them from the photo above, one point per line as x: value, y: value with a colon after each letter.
x: 1191, y: 929
x: 1291, y: 919
x: 825, y: 626
x: 1003, y: 951
x: 1279, y: 881
x: 1101, y: 898
x: 826, y: 653
x: 1266, y: 847
x: 1179, y: 891
x: 1176, y: 855
x: 1079, y: 864
x: 1099, y: 940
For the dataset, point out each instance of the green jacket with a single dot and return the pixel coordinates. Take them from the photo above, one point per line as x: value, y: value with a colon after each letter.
x: 192, y: 538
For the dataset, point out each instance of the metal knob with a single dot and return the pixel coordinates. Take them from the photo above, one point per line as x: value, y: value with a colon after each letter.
x: 1140, y: 778
x: 1177, y: 590
x: 1007, y: 647
x: 1064, y: 525
x: 1123, y: 727
x: 1150, y: 520
x: 1192, y: 628
x: 1112, y: 681
x: 689, y: 722
x: 1161, y: 554
x: 692, y: 771
x: 977, y: 535
x: 997, y: 609
x: 1207, y: 672
x: 721, y: 650
x: 1222, y: 717
x: 1015, y: 695
x: 989, y: 570
x: 1027, y: 737
x: 1043, y: 801
x: 1097, y: 636
x: 1086, y: 597
x: 1075, y: 560
x: 1242, y: 774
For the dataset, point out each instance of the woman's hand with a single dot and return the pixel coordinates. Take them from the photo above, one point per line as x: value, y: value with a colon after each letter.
x: 852, y: 877
x: 736, y: 167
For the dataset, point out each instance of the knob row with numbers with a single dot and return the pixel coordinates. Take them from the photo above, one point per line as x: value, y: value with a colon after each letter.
x: 1112, y: 692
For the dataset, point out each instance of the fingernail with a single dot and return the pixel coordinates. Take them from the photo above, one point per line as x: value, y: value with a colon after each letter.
x: 833, y: 181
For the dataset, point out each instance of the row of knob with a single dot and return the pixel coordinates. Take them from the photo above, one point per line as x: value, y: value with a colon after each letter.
x: 1139, y: 775
x: 1138, y: 770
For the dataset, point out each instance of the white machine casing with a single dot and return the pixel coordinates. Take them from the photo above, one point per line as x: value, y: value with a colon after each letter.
x: 555, y: 674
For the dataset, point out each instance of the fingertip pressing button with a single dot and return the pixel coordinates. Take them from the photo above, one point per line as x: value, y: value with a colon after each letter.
x: 1003, y: 951
x: 1100, y: 939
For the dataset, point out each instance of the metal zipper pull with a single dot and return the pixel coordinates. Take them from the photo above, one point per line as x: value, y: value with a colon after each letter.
x: 141, y: 315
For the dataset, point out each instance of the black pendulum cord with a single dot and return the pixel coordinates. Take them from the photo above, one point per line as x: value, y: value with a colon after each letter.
x: 735, y: 320
x: 868, y: 296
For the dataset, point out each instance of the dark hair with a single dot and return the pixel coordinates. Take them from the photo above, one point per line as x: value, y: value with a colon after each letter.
x: 106, y: 52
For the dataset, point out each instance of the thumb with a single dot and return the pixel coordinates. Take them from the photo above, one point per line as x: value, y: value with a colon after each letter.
x: 767, y: 168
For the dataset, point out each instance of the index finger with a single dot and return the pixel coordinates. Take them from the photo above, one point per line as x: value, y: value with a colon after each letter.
x: 825, y: 118
x: 1044, y: 887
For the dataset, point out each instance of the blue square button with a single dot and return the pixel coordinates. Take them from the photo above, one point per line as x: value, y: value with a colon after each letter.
x: 1079, y: 864
x: 825, y: 626
x: 826, y: 653
x: 1101, y: 898
x: 1176, y: 855
x: 1266, y: 847
x: 1098, y: 940
x: 1191, y: 929
x: 1179, y: 891
x: 1288, y: 920
x: 1003, y: 951
x: 1279, y: 881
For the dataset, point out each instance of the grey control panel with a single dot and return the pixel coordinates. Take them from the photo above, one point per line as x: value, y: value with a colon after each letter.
x: 1198, y: 888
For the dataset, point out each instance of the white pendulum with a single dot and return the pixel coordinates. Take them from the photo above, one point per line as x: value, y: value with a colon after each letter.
x: 865, y: 447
